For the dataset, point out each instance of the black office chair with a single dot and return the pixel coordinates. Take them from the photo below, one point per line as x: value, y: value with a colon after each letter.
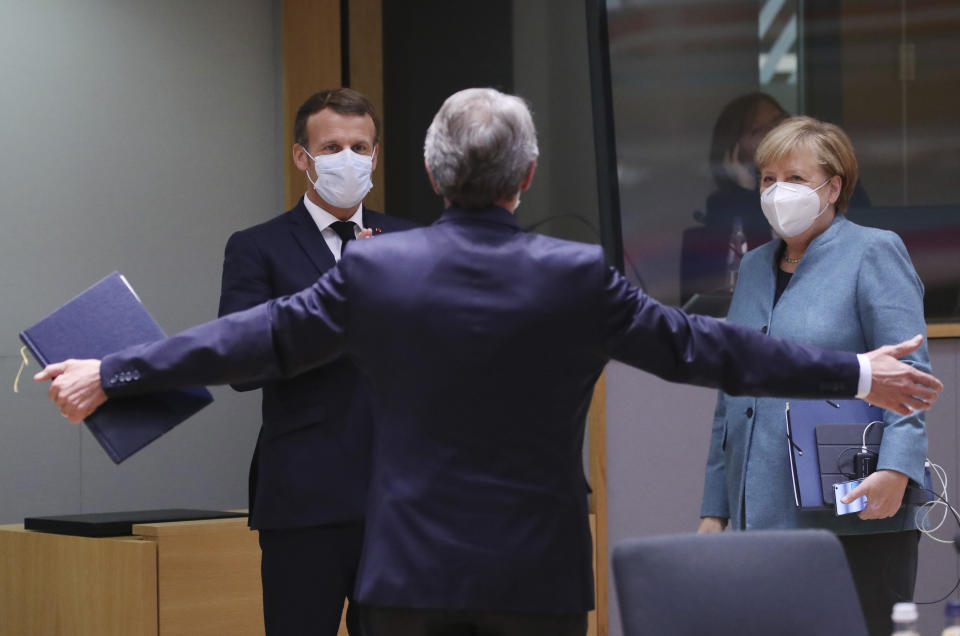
x: 789, y: 583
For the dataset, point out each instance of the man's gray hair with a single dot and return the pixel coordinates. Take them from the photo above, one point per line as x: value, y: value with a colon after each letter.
x: 480, y: 146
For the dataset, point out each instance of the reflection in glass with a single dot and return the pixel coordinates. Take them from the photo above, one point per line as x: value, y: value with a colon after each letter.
x: 694, y: 84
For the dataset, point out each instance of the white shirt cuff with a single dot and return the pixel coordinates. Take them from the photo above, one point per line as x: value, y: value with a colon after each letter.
x: 866, y: 376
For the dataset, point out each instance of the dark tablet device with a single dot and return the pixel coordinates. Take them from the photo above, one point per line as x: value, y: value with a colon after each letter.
x: 118, y: 524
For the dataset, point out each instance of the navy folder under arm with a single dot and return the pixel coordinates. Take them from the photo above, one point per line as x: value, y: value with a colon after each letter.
x: 811, y: 480
x: 104, y: 319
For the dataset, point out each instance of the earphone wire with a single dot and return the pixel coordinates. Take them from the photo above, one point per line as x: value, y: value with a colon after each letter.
x: 923, y: 512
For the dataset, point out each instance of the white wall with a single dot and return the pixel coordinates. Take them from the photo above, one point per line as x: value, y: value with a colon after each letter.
x: 135, y: 136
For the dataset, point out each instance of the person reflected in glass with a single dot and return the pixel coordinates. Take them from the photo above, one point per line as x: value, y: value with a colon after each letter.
x: 831, y: 283
x: 733, y: 205
x: 732, y: 222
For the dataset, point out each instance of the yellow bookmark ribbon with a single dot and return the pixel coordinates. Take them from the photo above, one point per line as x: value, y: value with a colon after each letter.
x: 24, y: 363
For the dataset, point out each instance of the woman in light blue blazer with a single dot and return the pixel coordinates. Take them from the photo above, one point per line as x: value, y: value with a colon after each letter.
x: 834, y: 284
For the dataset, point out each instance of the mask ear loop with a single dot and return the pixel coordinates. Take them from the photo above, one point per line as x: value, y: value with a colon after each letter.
x: 23, y: 364
x: 307, y: 171
x: 824, y: 208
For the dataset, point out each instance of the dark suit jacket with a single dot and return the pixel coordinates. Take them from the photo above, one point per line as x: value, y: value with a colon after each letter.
x: 482, y: 344
x: 312, y: 461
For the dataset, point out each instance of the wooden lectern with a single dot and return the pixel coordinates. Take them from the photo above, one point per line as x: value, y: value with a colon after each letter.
x: 194, y: 578
x: 186, y: 578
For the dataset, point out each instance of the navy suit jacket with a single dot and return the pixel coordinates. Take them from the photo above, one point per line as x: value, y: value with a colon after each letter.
x: 482, y: 344
x: 311, y: 465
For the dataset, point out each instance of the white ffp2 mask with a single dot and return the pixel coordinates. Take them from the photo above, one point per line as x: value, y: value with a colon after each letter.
x: 343, y: 178
x: 791, y: 208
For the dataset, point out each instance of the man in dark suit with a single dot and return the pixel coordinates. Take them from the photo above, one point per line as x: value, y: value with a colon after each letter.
x: 482, y: 344
x: 310, y: 468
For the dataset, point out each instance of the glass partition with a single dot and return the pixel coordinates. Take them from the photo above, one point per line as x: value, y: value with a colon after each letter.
x: 696, y: 85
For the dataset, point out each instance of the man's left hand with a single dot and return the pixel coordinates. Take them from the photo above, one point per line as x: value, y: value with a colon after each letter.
x: 76, y: 388
x: 884, y: 491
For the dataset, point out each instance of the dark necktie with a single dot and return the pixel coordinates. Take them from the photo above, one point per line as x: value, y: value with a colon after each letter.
x: 345, y: 231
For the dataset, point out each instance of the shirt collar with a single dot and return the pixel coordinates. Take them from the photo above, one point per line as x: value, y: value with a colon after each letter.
x: 323, y: 219
x: 492, y: 214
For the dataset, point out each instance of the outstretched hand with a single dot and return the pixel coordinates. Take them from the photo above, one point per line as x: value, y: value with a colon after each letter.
x: 897, y: 386
x: 76, y: 388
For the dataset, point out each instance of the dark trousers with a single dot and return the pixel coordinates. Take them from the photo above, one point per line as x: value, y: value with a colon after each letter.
x: 388, y: 621
x: 884, y: 568
x: 306, y: 574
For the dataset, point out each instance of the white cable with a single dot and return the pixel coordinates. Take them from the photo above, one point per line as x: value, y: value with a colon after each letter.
x: 927, y: 508
x: 867, y: 428
x: 924, y: 511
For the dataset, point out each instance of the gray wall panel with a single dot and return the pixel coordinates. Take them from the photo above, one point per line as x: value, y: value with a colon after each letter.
x: 39, y: 451
x: 137, y: 136
x: 657, y: 438
x: 202, y: 463
x: 938, y: 567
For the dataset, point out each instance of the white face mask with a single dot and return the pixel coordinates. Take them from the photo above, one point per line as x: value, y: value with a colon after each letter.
x: 343, y: 179
x: 791, y: 208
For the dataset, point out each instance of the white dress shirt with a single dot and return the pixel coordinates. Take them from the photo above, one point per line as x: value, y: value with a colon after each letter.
x: 324, y: 220
x: 866, y: 376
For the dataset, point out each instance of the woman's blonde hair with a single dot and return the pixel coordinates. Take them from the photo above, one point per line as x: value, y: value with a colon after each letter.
x: 829, y: 144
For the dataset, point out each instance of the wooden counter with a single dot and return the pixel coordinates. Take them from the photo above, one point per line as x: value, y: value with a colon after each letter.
x: 190, y: 578
x: 187, y: 578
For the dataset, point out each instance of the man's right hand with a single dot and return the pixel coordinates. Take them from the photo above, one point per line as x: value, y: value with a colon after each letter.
x: 76, y: 387
x: 897, y: 386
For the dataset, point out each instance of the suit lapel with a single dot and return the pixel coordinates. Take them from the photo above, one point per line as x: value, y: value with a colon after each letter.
x: 371, y: 219
x: 308, y: 235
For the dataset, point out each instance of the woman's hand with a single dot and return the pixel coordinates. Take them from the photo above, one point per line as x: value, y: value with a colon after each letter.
x: 711, y: 524
x: 884, y: 491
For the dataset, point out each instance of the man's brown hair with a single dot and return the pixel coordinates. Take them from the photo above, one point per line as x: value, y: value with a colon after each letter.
x: 344, y: 101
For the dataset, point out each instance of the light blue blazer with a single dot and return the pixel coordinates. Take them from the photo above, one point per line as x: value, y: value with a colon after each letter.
x: 854, y: 290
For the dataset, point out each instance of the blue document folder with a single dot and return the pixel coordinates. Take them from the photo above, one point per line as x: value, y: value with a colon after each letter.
x: 802, y: 419
x: 104, y: 319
